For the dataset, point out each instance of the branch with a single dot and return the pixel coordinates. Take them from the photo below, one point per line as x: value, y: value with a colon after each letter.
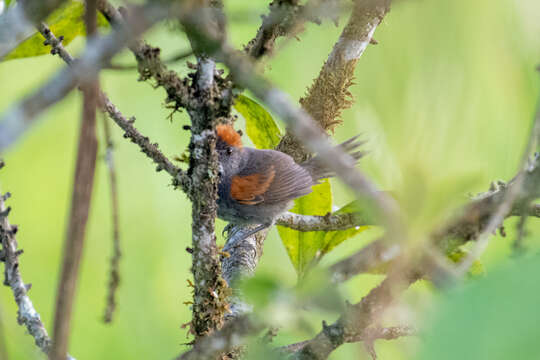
x: 357, y: 319
x: 130, y: 132
x: 210, y: 295
x: 368, y: 336
x: 222, y: 341
x: 329, y: 95
x: 114, y: 273
x: 17, y: 23
x: 240, y: 261
x: 19, y: 118
x: 466, y: 227
x: 375, y: 254
x: 523, y: 190
x: 149, y: 63
x: 83, y: 185
x: 329, y: 222
x: 286, y: 18
x: 283, y: 16
x: 27, y: 315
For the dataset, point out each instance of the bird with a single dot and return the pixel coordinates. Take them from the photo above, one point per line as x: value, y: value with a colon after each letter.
x: 257, y: 185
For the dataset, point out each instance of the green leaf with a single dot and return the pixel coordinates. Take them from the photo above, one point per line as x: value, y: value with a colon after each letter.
x: 7, y: 2
x: 305, y: 249
x: 260, y: 126
x: 494, y: 317
x: 66, y: 21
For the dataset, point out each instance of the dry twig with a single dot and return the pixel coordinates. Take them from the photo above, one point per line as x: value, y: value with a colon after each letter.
x: 80, y: 206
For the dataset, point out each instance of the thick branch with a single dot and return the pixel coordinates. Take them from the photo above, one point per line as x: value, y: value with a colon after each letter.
x: 329, y: 95
x: 222, y: 341
x: 210, y: 298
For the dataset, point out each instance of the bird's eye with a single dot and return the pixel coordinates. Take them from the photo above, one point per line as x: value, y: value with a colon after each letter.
x: 229, y: 151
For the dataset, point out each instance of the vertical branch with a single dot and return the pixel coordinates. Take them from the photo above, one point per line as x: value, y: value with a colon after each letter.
x: 114, y: 274
x: 210, y: 293
x: 80, y: 205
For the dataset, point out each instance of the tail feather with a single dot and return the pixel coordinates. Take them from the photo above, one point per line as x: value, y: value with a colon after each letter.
x: 319, y: 171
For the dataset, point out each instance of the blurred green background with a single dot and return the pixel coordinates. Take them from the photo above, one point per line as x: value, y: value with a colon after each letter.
x: 446, y: 101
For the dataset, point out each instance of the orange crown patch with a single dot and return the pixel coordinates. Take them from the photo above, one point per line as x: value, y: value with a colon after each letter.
x: 227, y: 134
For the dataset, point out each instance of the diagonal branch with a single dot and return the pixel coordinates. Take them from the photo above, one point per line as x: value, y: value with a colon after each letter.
x: 21, y: 116
x: 130, y: 132
x: 17, y: 23
x: 368, y: 336
x: 357, y: 319
x: 329, y: 94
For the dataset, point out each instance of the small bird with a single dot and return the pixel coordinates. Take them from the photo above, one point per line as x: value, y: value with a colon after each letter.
x: 256, y: 186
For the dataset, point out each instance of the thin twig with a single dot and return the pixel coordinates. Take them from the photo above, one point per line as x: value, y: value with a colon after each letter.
x: 21, y: 116
x: 80, y: 205
x: 114, y: 273
x: 147, y: 147
x: 27, y: 315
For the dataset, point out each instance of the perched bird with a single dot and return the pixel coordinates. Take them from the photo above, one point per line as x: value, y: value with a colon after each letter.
x: 258, y: 185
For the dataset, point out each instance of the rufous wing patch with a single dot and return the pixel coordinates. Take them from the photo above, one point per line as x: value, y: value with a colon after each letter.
x: 227, y: 134
x: 247, y: 189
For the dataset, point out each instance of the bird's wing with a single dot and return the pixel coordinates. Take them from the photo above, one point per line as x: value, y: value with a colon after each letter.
x: 269, y: 177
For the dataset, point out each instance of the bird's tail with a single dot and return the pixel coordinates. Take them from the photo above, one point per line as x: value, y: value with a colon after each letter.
x: 319, y: 171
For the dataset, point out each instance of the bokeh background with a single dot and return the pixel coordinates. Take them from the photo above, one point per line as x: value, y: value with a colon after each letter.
x: 446, y: 101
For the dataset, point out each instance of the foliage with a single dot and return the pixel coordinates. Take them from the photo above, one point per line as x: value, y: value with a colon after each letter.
x: 493, y: 318
x: 260, y: 126
x: 66, y: 21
